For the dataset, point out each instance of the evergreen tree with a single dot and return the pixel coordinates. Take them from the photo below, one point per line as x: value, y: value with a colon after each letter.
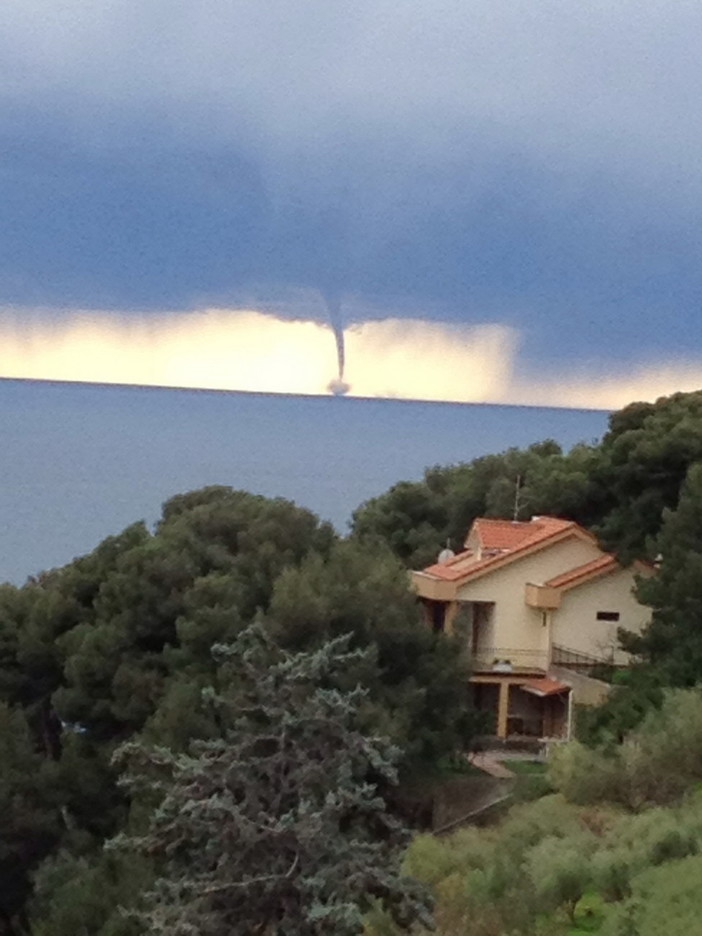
x: 275, y: 827
x: 415, y: 519
x: 642, y: 464
x: 30, y: 822
x: 417, y: 680
x: 672, y: 643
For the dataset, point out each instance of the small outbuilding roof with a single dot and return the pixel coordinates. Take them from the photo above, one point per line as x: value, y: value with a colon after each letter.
x: 544, y: 687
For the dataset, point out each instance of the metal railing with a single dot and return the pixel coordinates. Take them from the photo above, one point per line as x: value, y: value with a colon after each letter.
x: 577, y: 660
x: 508, y: 660
x: 520, y: 660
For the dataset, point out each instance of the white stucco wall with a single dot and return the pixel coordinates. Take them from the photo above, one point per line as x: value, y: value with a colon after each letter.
x: 575, y: 623
x: 514, y: 624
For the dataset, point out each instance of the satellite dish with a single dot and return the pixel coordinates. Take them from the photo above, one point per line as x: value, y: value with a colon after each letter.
x: 446, y: 555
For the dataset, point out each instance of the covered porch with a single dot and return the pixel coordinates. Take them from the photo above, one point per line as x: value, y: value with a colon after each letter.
x: 521, y: 706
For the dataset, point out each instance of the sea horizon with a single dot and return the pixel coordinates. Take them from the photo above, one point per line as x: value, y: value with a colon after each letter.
x: 82, y: 461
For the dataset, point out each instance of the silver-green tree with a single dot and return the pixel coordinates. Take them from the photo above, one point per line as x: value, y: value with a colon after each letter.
x: 276, y: 826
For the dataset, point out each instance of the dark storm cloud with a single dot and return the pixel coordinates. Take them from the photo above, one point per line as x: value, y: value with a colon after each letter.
x: 533, y: 164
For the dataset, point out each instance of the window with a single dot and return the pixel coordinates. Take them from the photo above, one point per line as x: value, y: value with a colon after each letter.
x: 607, y: 615
x: 438, y: 615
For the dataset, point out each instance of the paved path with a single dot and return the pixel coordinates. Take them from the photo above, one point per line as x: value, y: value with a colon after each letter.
x: 491, y: 765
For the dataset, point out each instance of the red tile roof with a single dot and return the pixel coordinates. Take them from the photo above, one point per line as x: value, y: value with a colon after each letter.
x: 511, y: 534
x: 461, y: 563
x: 509, y: 538
x: 589, y: 569
x: 545, y: 686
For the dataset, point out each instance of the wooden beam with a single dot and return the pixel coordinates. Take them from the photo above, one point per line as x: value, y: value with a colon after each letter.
x: 450, y: 616
x: 502, y: 710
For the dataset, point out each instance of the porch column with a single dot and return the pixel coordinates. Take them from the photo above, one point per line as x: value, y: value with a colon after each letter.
x: 450, y: 616
x: 548, y: 621
x: 569, y: 722
x: 503, y: 709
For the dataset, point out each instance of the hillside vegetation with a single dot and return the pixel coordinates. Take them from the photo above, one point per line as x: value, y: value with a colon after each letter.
x: 124, y: 691
x: 616, y: 851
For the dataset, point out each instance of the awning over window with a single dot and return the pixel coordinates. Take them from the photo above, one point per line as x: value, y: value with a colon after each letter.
x: 544, y: 687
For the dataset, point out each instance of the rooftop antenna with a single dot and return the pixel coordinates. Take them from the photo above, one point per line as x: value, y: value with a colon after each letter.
x: 517, y: 499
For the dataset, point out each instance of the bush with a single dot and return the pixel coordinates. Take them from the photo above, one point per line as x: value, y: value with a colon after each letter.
x: 666, y: 900
x: 655, y: 764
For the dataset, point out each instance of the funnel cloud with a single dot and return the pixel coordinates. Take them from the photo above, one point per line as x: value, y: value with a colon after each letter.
x: 338, y: 386
x: 534, y: 165
x: 239, y: 349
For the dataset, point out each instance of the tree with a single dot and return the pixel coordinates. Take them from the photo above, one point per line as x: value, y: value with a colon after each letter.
x: 666, y: 899
x: 275, y: 827
x: 417, y: 680
x: 416, y: 518
x: 672, y: 643
x: 619, y: 488
x: 90, y: 652
x: 642, y: 464
x: 560, y: 871
x: 30, y: 823
x: 144, y: 586
x: 655, y: 763
x: 85, y: 894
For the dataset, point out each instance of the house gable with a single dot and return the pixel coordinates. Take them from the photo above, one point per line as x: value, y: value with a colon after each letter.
x: 538, y: 602
x: 538, y: 565
x: 493, y: 544
x: 512, y: 624
x: 591, y: 614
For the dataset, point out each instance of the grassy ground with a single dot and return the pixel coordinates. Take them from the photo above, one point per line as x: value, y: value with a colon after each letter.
x: 531, y: 779
x: 520, y: 767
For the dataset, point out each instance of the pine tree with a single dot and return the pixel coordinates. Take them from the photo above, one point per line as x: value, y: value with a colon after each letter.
x: 673, y: 641
x: 276, y: 827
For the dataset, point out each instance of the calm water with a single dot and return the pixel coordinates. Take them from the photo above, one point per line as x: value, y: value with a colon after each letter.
x: 81, y: 462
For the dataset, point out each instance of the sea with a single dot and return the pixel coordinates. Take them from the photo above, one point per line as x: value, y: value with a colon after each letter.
x: 80, y: 462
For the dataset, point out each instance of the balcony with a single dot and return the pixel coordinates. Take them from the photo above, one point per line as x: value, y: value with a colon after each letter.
x: 509, y: 660
x: 584, y: 663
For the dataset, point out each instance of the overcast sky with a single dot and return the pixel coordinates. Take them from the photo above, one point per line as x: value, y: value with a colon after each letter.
x: 523, y: 180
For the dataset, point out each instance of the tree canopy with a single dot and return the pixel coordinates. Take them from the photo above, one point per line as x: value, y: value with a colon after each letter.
x: 619, y: 488
x: 276, y: 826
x: 115, y: 647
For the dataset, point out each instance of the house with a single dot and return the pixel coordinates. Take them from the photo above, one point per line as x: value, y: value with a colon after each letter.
x: 540, y: 604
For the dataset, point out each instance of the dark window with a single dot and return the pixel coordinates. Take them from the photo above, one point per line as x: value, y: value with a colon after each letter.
x: 438, y: 615
x: 607, y: 615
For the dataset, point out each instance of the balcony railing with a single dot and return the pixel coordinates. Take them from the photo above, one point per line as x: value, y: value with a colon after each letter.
x: 584, y: 663
x: 508, y: 660
x: 565, y: 656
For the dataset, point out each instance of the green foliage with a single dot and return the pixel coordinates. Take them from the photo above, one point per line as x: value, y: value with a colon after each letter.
x: 588, y: 914
x: 116, y: 645
x: 532, y: 780
x: 665, y: 899
x: 556, y: 867
x: 620, y: 488
x: 30, y: 823
x: 655, y: 763
x: 559, y: 870
x: 74, y: 894
x: 415, y: 519
x: 637, y: 691
x: 642, y: 463
x: 416, y: 680
x: 672, y: 645
x: 507, y: 879
x: 276, y: 826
